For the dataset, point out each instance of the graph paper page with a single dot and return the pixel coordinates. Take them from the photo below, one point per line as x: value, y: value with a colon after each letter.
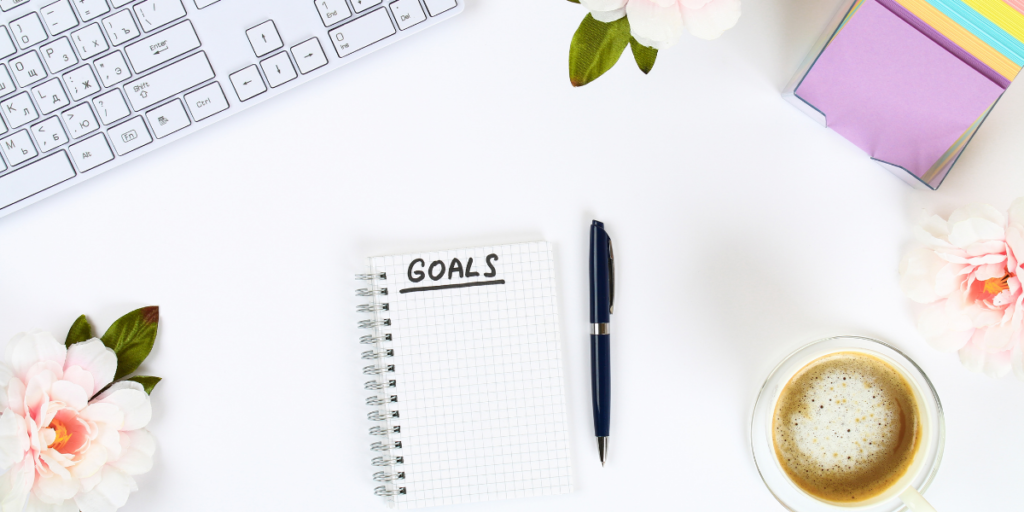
x: 478, y: 374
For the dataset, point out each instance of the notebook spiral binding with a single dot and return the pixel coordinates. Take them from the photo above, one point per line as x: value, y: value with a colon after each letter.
x: 385, y: 403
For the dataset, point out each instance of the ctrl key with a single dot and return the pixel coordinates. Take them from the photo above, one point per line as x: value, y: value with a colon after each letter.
x: 129, y: 136
x: 206, y: 102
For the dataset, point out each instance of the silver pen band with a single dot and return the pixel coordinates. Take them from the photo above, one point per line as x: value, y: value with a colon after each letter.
x: 600, y: 329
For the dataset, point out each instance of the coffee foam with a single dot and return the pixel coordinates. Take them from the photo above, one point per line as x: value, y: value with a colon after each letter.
x: 846, y: 427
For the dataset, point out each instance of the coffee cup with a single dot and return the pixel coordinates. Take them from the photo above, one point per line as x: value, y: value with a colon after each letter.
x: 848, y: 424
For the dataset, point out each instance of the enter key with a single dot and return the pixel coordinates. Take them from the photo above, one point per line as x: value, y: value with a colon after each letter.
x: 162, y: 47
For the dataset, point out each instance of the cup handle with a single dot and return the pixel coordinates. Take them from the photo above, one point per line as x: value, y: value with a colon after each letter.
x: 915, y: 502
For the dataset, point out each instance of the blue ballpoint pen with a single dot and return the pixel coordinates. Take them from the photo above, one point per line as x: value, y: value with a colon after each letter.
x: 602, y: 301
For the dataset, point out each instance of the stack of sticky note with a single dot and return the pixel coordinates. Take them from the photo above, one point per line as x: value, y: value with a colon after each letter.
x: 910, y: 81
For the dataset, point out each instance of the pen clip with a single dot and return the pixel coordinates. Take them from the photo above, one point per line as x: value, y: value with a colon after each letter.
x: 611, y: 277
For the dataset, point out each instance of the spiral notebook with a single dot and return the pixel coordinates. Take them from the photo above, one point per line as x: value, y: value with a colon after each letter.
x: 466, y: 375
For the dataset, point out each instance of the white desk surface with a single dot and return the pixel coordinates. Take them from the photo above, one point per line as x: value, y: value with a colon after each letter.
x: 742, y: 231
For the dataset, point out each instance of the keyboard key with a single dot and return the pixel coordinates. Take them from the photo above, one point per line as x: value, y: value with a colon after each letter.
x: 332, y: 11
x: 81, y: 82
x: 154, y: 14
x: 278, y: 69
x: 18, y: 110
x: 28, y: 69
x: 49, y: 135
x: 438, y: 6
x: 163, y: 47
x: 18, y: 148
x: 6, y: 44
x: 59, y: 55
x: 178, y: 77
x: 80, y: 121
x: 206, y: 102
x: 407, y: 13
x: 248, y: 83
x: 264, y: 38
x: 362, y: 5
x: 129, y: 136
x: 32, y: 179
x: 59, y: 17
x: 28, y: 30
x: 7, y: 5
x: 362, y: 32
x: 50, y: 97
x: 309, y: 55
x: 167, y: 119
x: 112, y: 69
x: 91, y: 153
x: 120, y: 27
x: 89, y: 41
x: 202, y: 4
x: 89, y: 9
x: 111, y: 106
x: 6, y: 83
x: 120, y: 3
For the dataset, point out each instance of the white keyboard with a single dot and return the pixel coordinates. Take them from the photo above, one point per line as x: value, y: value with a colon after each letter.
x: 86, y: 85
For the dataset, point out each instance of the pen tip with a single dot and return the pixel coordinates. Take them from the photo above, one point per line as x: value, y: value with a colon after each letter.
x: 602, y: 449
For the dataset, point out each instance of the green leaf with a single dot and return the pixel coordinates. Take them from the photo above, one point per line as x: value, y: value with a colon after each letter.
x: 595, y: 48
x: 131, y: 338
x: 80, y: 331
x: 644, y: 55
x: 575, y: 1
x: 148, y: 383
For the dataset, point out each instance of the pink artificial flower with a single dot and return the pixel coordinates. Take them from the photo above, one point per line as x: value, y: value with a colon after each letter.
x: 659, y: 23
x: 969, y: 272
x: 61, y: 451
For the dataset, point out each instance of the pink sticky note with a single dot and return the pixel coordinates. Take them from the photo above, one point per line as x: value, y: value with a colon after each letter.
x: 1016, y: 4
x: 894, y: 92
